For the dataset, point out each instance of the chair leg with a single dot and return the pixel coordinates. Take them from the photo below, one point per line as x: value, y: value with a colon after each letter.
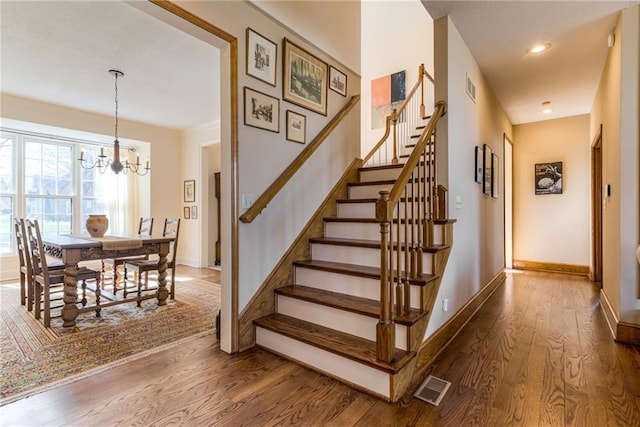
x: 84, y: 293
x: 98, y: 293
x: 30, y: 292
x: 173, y: 284
x: 36, y: 300
x: 47, y: 306
x: 140, y: 287
x: 23, y: 289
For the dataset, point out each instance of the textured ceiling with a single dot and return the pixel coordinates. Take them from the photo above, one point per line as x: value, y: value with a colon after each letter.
x: 498, y: 34
x: 59, y: 52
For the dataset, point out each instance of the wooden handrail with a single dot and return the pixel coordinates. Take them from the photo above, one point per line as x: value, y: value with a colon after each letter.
x: 297, y: 163
x: 412, y: 162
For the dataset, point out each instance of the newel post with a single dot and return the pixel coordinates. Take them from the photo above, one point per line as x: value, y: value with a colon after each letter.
x: 385, y: 329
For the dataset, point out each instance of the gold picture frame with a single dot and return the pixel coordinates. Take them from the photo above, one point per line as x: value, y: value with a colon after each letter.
x: 304, y: 78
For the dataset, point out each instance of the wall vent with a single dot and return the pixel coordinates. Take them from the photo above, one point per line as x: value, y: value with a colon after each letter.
x: 471, y: 89
x: 432, y: 390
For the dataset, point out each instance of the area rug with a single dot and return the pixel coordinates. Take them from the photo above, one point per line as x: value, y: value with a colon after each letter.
x: 32, y: 356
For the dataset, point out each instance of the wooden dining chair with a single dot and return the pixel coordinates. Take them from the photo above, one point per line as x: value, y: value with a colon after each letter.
x: 142, y: 268
x: 112, y: 265
x: 48, y: 283
x: 26, y: 270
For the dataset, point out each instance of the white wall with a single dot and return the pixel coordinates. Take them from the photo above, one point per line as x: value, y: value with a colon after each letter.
x: 477, y: 253
x: 263, y: 155
x: 552, y: 228
x: 396, y: 36
x: 193, y: 246
x: 616, y: 107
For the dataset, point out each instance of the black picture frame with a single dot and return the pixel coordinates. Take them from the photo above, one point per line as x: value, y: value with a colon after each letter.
x: 337, y: 81
x: 495, y: 175
x: 486, y: 169
x: 479, y: 165
x: 261, y: 111
x: 190, y: 191
x: 548, y: 178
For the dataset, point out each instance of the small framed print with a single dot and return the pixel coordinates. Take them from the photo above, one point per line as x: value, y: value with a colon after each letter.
x: 486, y: 187
x: 479, y: 160
x: 262, y: 56
x: 187, y: 212
x: 194, y: 212
x: 296, y: 127
x: 495, y: 173
x: 337, y: 81
x: 261, y: 110
x: 190, y: 191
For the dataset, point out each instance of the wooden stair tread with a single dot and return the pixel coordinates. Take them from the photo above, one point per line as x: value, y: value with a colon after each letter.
x: 374, y: 221
x: 365, y: 183
x: 372, y: 244
x: 358, y: 305
x: 373, y: 200
x: 346, y: 345
x: 359, y: 270
x: 380, y: 167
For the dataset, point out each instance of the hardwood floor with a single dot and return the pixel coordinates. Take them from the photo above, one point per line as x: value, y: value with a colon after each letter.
x: 537, y: 354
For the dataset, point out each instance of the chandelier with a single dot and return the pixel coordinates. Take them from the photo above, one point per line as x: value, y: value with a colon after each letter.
x: 115, y: 164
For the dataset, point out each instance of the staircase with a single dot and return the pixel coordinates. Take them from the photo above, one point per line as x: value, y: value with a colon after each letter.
x: 328, y: 318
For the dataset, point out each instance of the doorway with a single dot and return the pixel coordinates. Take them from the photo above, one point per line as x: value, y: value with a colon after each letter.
x: 508, y: 202
x: 183, y: 20
x: 597, y: 200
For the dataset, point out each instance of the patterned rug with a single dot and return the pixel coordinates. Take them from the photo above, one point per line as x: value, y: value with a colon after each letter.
x: 34, y: 358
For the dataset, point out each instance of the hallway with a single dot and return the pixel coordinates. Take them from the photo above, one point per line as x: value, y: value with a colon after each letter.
x: 537, y: 353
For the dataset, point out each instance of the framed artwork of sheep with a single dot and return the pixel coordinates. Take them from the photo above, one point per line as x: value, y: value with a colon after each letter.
x: 548, y: 178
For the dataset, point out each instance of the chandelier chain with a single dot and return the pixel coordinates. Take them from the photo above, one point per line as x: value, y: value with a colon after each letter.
x: 116, y: 131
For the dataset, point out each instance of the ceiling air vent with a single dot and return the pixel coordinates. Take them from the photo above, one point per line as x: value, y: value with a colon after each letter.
x: 432, y: 390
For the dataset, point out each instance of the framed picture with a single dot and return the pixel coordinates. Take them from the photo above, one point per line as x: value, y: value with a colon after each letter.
x: 479, y: 165
x: 190, y: 191
x: 296, y: 127
x: 304, y: 79
x: 194, y: 212
x: 262, y: 56
x: 337, y: 81
x: 548, y: 178
x: 187, y: 212
x: 261, y: 110
x: 486, y: 167
x: 495, y: 173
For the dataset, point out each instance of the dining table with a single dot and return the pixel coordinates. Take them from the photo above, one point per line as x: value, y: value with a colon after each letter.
x: 72, y: 249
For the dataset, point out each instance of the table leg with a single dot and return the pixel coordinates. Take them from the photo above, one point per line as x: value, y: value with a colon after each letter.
x: 162, y: 292
x: 70, y: 310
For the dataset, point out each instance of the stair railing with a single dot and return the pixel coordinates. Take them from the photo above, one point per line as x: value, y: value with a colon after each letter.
x: 277, y: 185
x: 406, y: 215
x: 402, y: 123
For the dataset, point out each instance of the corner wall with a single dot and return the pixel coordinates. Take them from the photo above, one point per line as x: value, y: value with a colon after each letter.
x: 552, y: 228
x: 616, y: 107
x: 477, y: 255
x: 404, y: 44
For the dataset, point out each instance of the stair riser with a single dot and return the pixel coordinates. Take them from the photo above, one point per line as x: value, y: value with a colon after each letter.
x: 378, y: 175
x: 367, y: 191
x: 346, y: 284
x: 373, y: 380
x: 369, y: 231
x: 344, y: 321
x: 360, y: 256
x: 367, y: 210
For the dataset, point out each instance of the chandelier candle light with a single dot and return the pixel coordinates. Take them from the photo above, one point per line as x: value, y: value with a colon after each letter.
x: 116, y: 165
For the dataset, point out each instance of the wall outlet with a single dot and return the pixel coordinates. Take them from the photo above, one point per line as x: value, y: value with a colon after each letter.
x: 247, y: 200
x: 445, y: 304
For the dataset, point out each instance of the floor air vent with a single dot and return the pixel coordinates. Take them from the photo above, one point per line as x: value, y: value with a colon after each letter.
x: 432, y: 390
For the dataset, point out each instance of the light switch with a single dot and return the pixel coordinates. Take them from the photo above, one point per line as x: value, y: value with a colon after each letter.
x: 247, y: 200
x: 458, y: 202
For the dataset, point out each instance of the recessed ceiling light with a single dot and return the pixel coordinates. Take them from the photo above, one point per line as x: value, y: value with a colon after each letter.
x: 539, y: 48
x: 546, y: 107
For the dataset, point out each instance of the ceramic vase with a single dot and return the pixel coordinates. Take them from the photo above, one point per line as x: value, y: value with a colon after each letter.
x: 97, y: 225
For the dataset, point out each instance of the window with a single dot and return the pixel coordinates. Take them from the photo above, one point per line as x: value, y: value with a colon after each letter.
x: 48, y: 185
x: 40, y: 178
x: 7, y: 193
